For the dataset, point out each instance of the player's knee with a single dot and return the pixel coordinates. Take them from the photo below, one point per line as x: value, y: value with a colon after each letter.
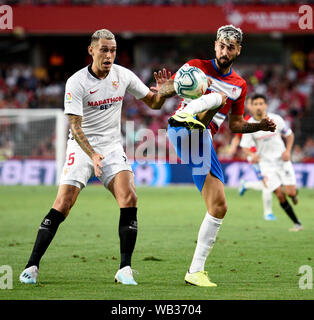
x: 292, y: 193
x: 281, y: 197
x: 220, y: 209
x: 223, y: 209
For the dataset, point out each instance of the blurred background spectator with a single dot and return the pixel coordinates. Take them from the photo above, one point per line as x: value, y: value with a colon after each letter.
x: 288, y: 92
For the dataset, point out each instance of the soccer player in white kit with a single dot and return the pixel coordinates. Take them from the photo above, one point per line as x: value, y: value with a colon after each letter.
x: 93, y: 102
x: 273, y: 156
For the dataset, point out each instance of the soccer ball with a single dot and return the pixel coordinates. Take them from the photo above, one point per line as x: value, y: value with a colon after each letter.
x: 190, y: 82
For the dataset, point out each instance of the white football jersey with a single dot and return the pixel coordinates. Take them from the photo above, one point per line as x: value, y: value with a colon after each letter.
x: 269, y: 145
x: 99, y: 102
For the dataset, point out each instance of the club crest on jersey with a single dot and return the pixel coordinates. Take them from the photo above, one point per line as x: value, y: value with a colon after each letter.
x: 115, y: 84
x: 234, y: 92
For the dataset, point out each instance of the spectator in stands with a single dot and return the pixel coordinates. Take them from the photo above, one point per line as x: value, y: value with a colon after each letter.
x: 289, y: 91
x: 309, y: 148
x: 297, y: 154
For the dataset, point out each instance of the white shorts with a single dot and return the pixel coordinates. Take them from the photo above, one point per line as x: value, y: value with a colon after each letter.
x: 78, y: 167
x: 277, y: 174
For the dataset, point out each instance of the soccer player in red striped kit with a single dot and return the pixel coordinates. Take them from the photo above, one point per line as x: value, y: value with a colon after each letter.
x: 224, y: 97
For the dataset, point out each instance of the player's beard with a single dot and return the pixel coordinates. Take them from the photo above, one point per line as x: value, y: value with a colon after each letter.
x: 259, y: 113
x: 226, y: 64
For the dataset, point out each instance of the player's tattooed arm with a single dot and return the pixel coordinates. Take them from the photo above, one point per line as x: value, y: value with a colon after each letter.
x: 167, y: 89
x: 159, y: 93
x: 79, y: 136
x: 155, y: 100
x: 238, y: 125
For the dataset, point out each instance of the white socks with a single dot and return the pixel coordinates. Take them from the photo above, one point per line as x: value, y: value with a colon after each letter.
x: 205, y: 241
x: 266, y: 194
x: 267, y: 197
x: 206, y: 102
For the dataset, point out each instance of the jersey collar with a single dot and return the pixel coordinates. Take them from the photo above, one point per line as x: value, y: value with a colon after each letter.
x: 217, y: 69
x: 92, y: 72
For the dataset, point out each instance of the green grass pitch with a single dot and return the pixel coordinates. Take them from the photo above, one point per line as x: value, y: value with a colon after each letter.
x: 252, y: 258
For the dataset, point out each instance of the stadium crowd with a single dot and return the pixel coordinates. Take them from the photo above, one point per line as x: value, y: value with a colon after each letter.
x: 288, y: 92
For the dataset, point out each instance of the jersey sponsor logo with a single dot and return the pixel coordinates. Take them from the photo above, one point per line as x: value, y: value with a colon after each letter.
x: 91, y: 92
x: 115, y: 84
x: 104, y: 104
x: 267, y: 136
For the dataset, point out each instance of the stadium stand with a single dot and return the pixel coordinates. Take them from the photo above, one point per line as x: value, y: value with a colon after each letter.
x: 32, y: 83
x: 22, y: 86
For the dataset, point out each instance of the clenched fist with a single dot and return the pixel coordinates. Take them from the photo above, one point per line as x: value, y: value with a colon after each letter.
x: 268, y: 125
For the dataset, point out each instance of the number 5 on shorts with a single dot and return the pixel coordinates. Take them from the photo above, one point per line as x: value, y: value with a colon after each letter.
x: 71, y: 158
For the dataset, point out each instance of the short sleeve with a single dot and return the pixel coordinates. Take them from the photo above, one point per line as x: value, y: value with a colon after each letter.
x: 237, y: 107
x: 73, y: 97
x: 283, y: 127
x: 136, y: 87
x: 247, y: 141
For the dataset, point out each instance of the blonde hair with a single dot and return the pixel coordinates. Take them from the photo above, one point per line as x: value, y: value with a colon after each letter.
x: 230, y: 32
x: 102, y: 34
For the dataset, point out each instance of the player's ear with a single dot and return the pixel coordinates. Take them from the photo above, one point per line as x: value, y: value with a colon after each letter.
x: 91, y: 50
x: 215, y: 45
x: 239, y: 50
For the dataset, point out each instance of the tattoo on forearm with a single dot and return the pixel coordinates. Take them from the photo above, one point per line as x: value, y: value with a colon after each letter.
x: 167, y: 89
x: 158, y: 101
x: 250, y: 127
x: 78, y: 134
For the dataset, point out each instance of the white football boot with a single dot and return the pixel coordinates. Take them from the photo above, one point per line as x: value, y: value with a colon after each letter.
x: 296, y: 227
x: 29, y: 275
x: 125, y: 276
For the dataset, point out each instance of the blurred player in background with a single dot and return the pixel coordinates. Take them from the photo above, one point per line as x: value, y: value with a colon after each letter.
x: 93, y: 102
x: 259, y: 184
x: 226, y: 93
x: 273, y: 156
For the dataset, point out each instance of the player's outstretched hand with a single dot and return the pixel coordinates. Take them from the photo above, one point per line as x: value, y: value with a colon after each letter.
x: 161, y: 77
x: 268, y: 125
x: 96, y: 157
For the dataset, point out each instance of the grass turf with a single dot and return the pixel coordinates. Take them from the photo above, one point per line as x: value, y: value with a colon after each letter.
x: 252, y: 258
